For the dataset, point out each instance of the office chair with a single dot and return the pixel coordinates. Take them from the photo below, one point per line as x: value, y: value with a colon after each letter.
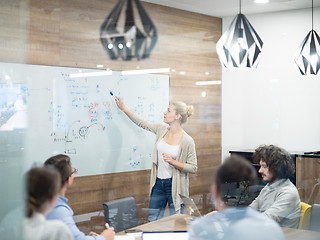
x: 314, y: 224
x: 121, y: 213
x: 304, y: 215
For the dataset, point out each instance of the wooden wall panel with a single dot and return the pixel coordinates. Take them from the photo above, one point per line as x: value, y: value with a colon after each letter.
x: 307, y: 179
x: 14, y: 18
x: 66, y: 33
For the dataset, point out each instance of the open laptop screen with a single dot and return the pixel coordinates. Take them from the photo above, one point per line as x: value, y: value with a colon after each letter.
x: 183, y: 235
x: 190, y: 206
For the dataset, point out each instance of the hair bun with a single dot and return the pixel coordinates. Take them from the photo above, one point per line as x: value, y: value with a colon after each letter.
x: 189, y: 110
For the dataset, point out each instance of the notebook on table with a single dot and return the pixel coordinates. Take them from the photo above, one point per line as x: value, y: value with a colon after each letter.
x: 190, y: 206
x: 165, y: 235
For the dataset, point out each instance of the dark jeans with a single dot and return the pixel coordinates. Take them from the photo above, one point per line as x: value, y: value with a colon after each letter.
x: 161, y: 195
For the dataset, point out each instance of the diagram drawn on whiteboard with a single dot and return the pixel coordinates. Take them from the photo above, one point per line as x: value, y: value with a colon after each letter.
x: 75, y: 133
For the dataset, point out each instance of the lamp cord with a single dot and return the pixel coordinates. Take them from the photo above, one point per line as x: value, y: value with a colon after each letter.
x: 312, y: 14
x: 240, y: 6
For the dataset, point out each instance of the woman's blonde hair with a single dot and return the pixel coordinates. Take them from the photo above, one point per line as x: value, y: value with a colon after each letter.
x: 184, y: 110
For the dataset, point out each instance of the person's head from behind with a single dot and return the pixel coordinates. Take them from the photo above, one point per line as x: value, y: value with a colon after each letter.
x: 232, y: 181
x: 63, y: 164
x: 275, y: 163
x: 178, y: 111
x: 43, y: 185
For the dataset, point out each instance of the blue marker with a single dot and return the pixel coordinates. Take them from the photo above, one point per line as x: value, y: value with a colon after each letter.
x: 111, y: 93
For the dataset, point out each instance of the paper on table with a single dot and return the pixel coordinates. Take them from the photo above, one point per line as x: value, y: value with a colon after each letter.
x: 125, y: 237
x: 135, y: 234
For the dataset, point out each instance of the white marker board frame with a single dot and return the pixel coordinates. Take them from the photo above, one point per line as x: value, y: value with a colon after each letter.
x: 78, y: 116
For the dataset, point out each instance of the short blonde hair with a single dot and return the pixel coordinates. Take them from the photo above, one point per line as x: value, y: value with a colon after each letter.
x: 184, y: 110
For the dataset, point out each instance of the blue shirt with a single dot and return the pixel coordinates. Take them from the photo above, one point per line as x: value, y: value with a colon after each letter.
x: 64, y: 213
x: 235, y: 223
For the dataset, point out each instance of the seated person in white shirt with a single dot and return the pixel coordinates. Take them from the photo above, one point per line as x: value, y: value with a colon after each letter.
x: 233, y: 219
x: 279, y: 199
x: 43, y: 185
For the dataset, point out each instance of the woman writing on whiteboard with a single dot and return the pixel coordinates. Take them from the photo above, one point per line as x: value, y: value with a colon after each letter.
x: 174, y: 157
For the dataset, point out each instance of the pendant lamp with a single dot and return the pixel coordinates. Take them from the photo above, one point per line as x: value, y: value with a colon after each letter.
x: 240, y: 46
x: 307, y: 57
x: 128, y: 31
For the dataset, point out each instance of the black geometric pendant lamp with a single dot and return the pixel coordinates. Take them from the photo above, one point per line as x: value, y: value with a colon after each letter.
x: 307, y: 57
x: 128, y: 31
x: 240, y: 46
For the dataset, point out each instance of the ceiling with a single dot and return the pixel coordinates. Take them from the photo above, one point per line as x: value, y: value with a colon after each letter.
x: 225, y: 8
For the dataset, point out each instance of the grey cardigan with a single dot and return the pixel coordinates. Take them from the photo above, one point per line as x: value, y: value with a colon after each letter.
x: 186, y: 155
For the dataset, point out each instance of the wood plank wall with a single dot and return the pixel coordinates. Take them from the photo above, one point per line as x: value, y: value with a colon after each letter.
x: 307, y: 179
x: 66, y: 33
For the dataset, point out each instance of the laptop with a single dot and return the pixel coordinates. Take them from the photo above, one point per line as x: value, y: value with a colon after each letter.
x: 165, y: 235
x: 190, y: 206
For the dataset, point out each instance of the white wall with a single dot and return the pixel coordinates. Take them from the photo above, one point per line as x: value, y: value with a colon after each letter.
x: 273, y: 104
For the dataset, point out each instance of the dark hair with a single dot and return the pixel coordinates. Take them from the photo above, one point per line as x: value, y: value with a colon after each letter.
x: 278, y: 160
x: 63, y: 164
x: 233, y: 179
x: 42, y: 185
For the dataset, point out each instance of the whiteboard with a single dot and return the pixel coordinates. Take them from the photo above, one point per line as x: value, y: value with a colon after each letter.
x: 78, y: 116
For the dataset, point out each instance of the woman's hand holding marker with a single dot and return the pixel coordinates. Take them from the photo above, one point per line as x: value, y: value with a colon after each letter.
x: 112, y: 95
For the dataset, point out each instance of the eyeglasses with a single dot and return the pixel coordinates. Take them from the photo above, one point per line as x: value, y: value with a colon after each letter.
x: 74, y: 171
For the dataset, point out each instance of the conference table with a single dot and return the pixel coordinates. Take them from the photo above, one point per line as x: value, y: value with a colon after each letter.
x: 180, y: 222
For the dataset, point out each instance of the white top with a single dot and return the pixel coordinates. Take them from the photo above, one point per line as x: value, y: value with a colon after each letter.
x: 164, y: 168
x: 38, y: 228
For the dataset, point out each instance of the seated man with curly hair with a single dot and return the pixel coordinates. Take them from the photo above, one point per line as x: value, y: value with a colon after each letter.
x: 279, y: 199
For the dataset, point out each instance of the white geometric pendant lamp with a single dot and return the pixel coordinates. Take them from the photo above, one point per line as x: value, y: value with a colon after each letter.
x: 240, y: 46
x: 307, y: 57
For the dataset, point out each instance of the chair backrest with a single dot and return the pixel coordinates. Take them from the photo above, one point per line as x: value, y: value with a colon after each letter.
x: 121, y: 214
x: 304, y: 215
x: 314, y: 224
